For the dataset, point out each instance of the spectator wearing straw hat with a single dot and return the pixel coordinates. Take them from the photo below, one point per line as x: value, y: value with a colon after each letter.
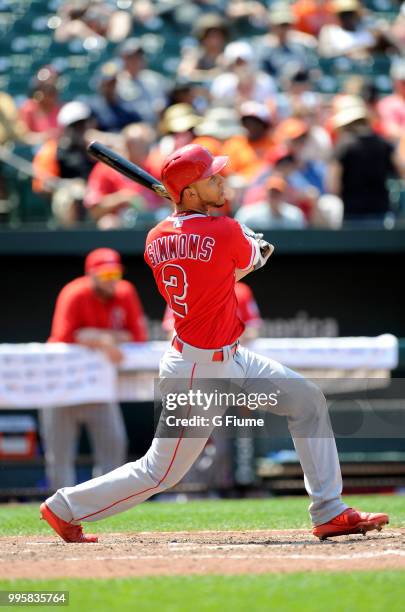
x: 176, y: 127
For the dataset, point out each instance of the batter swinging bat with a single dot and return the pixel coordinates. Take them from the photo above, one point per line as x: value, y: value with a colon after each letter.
x: 126, y: 167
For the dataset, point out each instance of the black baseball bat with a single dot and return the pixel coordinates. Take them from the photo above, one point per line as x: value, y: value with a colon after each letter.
x: 126, y: 167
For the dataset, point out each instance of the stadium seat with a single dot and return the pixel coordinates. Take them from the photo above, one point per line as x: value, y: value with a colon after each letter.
x: 327, y: 84
x: 379, y: 6
x: 6, y: 22
x: 383, y: 83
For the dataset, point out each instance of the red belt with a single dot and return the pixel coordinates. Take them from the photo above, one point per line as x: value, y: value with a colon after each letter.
x: 217, y: 355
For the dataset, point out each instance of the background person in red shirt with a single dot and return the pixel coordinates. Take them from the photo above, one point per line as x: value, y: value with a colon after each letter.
x: 109, y: 194
x: 39, y: 113
x: 99, y: 311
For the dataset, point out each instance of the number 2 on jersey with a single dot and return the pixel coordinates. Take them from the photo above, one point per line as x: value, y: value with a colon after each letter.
x: 175, y: 281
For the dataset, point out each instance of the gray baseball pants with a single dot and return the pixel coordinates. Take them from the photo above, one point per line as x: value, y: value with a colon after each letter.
x: 169, y: 458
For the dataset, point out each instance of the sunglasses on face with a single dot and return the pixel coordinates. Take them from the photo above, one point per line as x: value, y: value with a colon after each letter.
x: 109, y: 275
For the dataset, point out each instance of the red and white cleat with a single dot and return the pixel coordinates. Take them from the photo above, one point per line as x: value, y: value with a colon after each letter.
x: 349, y: 522
x: 68, y: 532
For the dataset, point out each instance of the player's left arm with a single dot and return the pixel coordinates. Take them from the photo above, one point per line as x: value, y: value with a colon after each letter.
x: 239, y: 274
x: 261, y: 251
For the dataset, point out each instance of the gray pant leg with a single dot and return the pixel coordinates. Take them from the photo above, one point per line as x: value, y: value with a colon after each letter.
x: 59, y: 427
x: 106, y: 428
x: 304, y: 405
x: 165, y: 463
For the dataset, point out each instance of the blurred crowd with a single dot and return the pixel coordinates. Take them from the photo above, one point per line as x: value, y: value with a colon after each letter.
x: 299, y: 157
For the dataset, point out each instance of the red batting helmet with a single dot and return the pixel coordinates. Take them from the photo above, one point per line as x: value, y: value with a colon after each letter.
x: 189, y: 165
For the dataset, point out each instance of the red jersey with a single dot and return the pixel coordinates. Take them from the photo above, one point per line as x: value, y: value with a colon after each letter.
x: 247, y: 311
x: 104, y: 180
x: 79, y: 306
x: 193, y: 258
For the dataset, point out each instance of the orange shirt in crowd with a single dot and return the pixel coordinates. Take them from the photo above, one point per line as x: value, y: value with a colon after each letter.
x: 213, y: 145
x: 311, y: 15
x: 45, y: 164
x: 79, y: 306
x: 247, y: 157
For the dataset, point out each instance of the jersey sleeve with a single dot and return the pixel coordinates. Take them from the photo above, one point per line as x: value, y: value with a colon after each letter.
x: 66, y: 318
x: 244, y: 249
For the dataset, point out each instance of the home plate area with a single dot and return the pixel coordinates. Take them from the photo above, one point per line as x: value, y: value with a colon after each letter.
x: 205, y: 552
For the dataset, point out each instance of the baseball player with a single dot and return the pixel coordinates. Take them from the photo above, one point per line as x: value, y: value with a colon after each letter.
x: 195, y: 259
x: 213, y: 467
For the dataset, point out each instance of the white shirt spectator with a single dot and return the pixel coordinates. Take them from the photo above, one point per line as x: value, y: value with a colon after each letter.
x: 260, y: 216
x: 335, y: 41
x: 226, y: 88
x: 242, y: 80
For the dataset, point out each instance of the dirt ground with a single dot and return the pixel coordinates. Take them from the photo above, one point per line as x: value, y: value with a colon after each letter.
x: 205, y: 552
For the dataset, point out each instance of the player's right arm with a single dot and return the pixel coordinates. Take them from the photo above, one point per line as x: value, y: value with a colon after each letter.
x: 66, y: 318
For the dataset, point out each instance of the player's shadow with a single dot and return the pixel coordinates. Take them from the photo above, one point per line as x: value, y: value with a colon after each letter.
x: 311, y: 541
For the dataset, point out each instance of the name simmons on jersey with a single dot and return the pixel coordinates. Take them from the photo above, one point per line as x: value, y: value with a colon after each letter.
x: 180, y: 246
